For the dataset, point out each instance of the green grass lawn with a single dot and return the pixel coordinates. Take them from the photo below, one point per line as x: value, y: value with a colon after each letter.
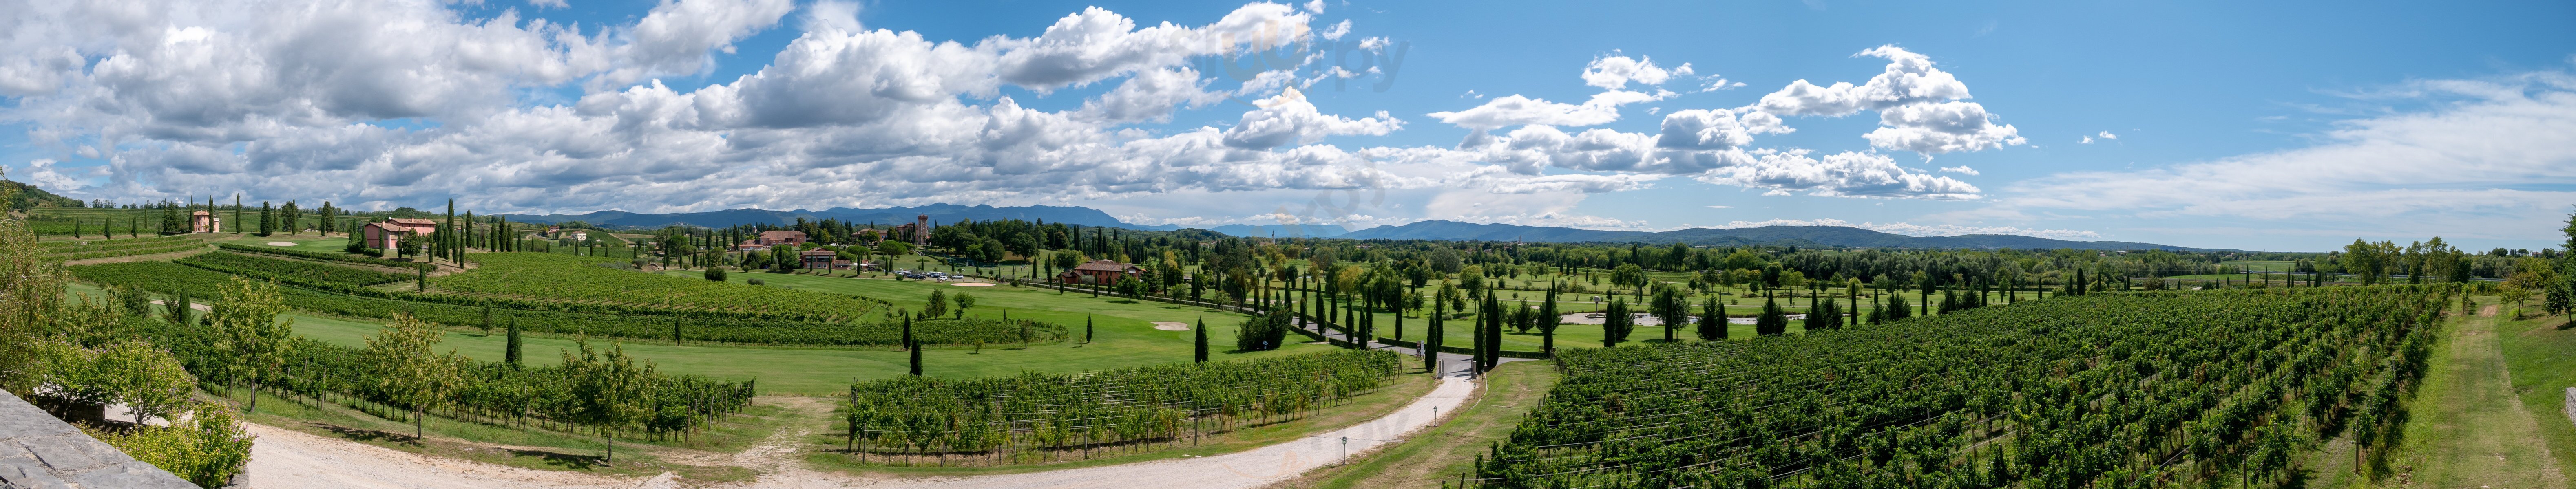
x: 2541, y: 353
x: 1120, y: 341
x: 1444, y: 451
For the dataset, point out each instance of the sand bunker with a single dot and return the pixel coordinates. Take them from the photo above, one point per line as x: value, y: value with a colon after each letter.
x: 973, y: 284
x: 1171, y: 326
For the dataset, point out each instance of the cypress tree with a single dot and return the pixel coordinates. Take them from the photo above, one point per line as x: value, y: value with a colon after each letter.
x: 908, y: 343
x: 510, y: 352
x: 675, y: 331
x: 1494, y: 334
x: 1773, y: 321
x: 487, y: 318
x: 1432, y: 335
x: 1202, y: 340
x: 1712, y: 321
x: 1086, y: 330
x: 1547, y: 321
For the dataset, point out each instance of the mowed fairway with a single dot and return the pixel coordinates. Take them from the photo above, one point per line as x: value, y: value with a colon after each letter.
x: 1125, y: 337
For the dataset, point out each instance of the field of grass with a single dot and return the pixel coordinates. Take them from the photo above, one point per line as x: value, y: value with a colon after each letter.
x: 546, y: 276
x: 1448, y: 449
x: 1120, y: 342
x: 2540, y: 351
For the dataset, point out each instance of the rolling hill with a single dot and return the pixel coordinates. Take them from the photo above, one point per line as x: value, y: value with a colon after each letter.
x: 1792, y: 235
x: 939, y: 213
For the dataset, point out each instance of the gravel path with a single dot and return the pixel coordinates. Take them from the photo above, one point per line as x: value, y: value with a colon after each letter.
x: 287, y: 459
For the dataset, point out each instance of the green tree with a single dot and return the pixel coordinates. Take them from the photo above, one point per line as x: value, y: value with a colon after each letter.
x: 1201, y: 352
x: 1263, y: 332
x: 409, y: 372
x: 1630, y: 275
x: 257, y: 339
x: 937, y: 306
x: 1616, y: 322
x: 1773, y: 320
x: 964, y: 301
x: 1670, y: 308
x: 31, y: 288
x: 912, y: 345
x: 1548, y: 320
x: 1712, y: 320
x: 608, y: 392
x: 510, y: 348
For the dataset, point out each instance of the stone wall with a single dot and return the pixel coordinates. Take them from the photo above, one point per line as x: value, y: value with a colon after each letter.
x: 40, y: 452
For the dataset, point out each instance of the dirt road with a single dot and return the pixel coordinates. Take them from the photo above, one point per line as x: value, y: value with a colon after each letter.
x: 287, y: 459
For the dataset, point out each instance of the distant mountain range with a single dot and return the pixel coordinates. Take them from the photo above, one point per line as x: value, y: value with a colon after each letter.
x: 1283, y: 230
x: 1819, y: 236
x: 1768, y: 235
x: 939, y: 214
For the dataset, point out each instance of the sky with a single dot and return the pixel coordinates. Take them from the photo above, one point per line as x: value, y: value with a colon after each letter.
x: 2280, y: 126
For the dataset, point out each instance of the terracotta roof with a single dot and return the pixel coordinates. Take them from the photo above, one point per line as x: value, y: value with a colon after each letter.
x: 1104, y: 265
x: 400, y: 221
x: 201, y: 213
x: 781, y: 234
x: 819, y: 252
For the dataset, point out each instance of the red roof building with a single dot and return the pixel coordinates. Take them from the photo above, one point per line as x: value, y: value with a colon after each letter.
x: 205, y: 222
x: 1099, y: 272
x: 818, y: 258
x: 774, y: 238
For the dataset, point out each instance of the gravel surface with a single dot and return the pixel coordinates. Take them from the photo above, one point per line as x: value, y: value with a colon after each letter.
x: 287, y: 459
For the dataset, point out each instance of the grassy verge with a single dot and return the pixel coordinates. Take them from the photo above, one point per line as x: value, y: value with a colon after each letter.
x: 824, y: 447
x: 2541, y: 352
x: 1446, y: 450
x: 2464, y: 426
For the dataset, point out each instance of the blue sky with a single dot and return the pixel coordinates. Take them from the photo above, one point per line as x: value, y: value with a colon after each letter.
x: 2283, y: 126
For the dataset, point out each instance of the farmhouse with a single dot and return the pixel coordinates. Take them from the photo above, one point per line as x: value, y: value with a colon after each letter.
x: 383, y: 236
x: 1099, y: 272
x: 819, y: 258
x: 205, y: 222
x: 774, y: 238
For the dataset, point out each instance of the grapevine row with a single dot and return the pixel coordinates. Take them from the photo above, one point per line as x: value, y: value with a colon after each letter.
x: 2110, y: 390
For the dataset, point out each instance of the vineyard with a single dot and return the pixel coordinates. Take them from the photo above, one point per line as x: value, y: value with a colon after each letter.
x: 104, y: 248
x: 290, y: 271
x: 489, y: 392
x: 2118, y: 390
x: 171, y: 278
x: 321, y: 255
x: 586, y: 279
x: 1035, y: 416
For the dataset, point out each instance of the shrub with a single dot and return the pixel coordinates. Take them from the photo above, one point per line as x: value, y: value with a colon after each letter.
x: 716, y: 274
x: 1264, y: 332
x: 755, y: 281
x: 208, y: 449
